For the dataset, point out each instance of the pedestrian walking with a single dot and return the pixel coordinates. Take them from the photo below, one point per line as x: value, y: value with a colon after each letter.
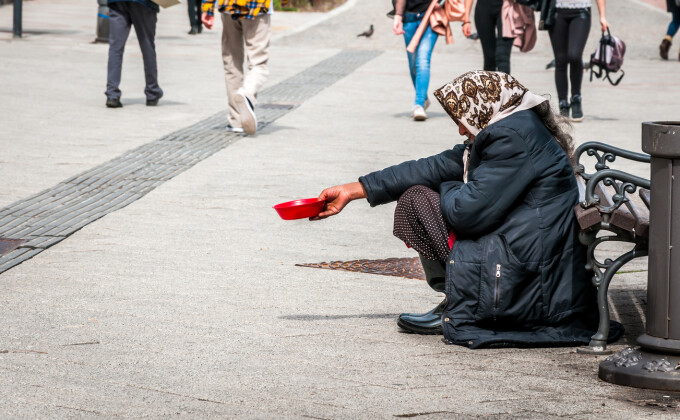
x: 246, y: 31
x: 194, y: 9
x: 492, y: 220
x: 407, y: 17
x: 674, y: 9
x: 568, y: 36
x: 123, y: 14
x: 489, y: 24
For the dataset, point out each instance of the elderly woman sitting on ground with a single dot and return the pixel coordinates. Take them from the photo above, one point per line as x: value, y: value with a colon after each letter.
x: 492, y: 220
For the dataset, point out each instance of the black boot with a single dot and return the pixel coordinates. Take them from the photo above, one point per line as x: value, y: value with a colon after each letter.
x: 664, y: 47
x: 429, y: 322
x: 576, y: 110
x: 564, y: 108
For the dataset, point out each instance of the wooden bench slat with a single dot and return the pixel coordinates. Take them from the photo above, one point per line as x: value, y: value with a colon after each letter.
x: 586, y: 217
x: 639, y: 208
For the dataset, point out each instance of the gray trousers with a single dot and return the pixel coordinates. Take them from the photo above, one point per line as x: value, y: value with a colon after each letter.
x: 245, y: 39
x: 123, y: 15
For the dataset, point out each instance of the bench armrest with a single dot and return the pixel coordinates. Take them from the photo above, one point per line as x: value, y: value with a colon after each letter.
x: 627, y: 184
x: 603, y: 153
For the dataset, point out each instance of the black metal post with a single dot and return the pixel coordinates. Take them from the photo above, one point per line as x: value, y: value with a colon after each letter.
x: 656, y: 365
x: 17, y: 19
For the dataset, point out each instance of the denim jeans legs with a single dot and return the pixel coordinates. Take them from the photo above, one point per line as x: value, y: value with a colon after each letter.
x: 419, y: 62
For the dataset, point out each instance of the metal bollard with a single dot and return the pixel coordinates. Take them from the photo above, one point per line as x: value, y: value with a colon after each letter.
x: 16, y: 27
x: 656, y: 365
x: 102, y: 22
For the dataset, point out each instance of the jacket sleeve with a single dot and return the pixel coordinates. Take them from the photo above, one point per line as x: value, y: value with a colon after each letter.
x: 390, y: 183
x: 208, y: 7
x: 503, y: 174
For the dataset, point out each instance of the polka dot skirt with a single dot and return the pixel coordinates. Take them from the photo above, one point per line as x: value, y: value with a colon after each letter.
x: 418, y: 221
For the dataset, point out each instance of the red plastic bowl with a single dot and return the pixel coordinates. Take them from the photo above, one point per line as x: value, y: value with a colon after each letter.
x: 299, y: 209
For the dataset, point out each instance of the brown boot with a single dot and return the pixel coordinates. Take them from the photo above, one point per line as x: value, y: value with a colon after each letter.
x: 664, y: 47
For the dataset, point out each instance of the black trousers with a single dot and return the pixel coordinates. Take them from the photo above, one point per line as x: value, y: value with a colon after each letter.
x: 489, y: 24
x: 568, y: 38
x: 122, y: 16
x: 194, y: 9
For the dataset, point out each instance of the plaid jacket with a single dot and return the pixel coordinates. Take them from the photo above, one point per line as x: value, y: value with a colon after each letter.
x: 238, y: 9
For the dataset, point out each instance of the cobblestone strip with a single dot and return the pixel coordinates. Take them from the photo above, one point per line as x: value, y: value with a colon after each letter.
x: 50, y: 216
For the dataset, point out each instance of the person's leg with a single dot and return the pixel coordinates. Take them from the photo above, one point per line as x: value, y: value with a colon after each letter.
x: 485, y: 25
x: 232, y: 57
x: 671, y: 31
x: 410, y: 28
x: 144, y: 20
x: 193, y: 17
x: 418, y: 222
x: 559, y: 39
x: 119, y: 30
x: 579, y: 28
x: 423, y: 58
x: 675, y: 21
x: 257, y: 33
x: 503, y: 46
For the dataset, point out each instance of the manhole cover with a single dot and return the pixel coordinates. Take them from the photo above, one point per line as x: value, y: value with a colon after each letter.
x: 8, y: 245
x: 398, y: 267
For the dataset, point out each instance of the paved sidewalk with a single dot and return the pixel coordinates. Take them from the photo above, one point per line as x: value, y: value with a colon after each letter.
x: 188, y: 301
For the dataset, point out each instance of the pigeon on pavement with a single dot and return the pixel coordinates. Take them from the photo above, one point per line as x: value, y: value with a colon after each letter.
x: 367, y: 33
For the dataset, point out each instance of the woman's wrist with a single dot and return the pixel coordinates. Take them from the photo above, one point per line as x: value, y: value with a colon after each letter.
x: 356, y: 190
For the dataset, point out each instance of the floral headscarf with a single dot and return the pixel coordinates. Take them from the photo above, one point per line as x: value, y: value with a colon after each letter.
x: 479, y: 98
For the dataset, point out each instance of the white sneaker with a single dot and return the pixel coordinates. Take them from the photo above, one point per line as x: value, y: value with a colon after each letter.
x: 246, y: 112
x: 234, y: 129
x: 418, y: 113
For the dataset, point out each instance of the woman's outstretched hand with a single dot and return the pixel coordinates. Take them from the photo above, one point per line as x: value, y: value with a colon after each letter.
x: 337, y: 198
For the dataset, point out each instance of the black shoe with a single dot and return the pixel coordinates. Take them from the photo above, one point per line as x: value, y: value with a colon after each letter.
x: 200, y: 28
x: 664, y: 47
x: 564, y: 108
x: 153, y: 102
x: 193, y: 31
x: 113, y: 103
x: 576, y: 111
x: 428, y: 323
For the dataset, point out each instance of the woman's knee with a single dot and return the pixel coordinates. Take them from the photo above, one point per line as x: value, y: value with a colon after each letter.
x: 412, y: 194
x: 575, y: 58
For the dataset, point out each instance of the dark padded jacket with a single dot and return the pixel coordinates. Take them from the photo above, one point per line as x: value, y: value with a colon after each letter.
x: 516, y: 274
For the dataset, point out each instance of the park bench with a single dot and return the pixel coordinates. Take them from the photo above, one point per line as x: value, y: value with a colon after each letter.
x: 613, y: 206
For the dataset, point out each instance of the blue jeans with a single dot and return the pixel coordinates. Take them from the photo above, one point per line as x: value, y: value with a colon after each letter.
x: 419, y: 62
x: 675, y: 23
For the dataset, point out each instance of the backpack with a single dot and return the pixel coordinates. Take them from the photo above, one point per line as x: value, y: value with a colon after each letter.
x: 608, y: 58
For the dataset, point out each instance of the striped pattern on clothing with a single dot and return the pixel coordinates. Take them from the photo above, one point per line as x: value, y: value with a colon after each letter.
x: 238, y: 9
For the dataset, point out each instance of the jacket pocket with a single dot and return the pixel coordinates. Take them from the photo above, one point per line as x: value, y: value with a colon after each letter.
x: 510, y: 290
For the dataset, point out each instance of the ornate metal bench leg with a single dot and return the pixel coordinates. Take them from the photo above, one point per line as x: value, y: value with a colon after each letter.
x: 598, y: 342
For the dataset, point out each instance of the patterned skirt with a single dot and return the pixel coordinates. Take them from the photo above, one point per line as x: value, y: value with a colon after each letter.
x: 418, y: 221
